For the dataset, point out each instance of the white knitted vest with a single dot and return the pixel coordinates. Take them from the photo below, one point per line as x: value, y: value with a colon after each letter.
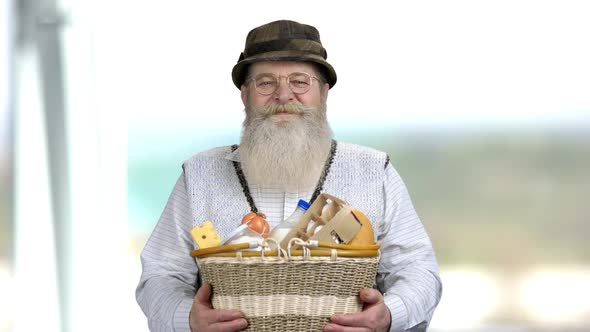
x: 355, y: 176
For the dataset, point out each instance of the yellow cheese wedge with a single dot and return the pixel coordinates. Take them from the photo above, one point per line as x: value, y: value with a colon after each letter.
x: 205, y: 235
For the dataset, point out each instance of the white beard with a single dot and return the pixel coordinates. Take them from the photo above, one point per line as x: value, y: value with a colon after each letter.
x: 286, y: 154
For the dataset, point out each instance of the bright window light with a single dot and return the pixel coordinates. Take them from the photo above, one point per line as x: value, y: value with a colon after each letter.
x: 556, y: 296
x: 35, y: 255
x: 7, y: 298
x: 470, y: 296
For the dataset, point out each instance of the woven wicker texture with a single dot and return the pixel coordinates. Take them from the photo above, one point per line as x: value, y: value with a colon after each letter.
x: 275, y: 305
x: 290, y: 323
x: 295, y: 295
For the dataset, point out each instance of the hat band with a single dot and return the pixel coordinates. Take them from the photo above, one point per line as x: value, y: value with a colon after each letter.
x: 300, y: 45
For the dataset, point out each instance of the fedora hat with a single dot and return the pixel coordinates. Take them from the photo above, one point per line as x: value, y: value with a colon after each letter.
x: 283, y: 41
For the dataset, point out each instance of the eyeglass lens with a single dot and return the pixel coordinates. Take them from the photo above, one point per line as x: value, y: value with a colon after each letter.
x: 267, y: 84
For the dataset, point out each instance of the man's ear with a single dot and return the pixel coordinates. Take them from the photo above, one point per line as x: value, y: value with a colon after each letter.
x: 244, y: 93
x: 325, y: 89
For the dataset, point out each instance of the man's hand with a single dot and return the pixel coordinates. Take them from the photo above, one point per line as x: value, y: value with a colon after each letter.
x: 374, y: 317
x: 204, y: 318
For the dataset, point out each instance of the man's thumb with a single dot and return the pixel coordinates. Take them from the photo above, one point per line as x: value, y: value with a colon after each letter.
x: 370, y: 296
x: 204, y: 294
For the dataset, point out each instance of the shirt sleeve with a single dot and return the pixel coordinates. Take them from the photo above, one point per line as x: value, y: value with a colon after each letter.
x: 169, y: 275
x: 408, y: 273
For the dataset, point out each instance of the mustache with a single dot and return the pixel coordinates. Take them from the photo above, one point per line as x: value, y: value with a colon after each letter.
x: 274, y: 108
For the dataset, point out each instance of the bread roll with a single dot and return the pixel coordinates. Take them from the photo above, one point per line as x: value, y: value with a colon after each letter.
x: 365, y: 236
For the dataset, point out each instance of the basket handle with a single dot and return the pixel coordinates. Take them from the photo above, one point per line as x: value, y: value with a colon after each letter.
x: 224, y: 248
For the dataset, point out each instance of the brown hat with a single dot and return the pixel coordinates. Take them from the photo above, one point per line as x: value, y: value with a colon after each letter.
x: 283, y: 41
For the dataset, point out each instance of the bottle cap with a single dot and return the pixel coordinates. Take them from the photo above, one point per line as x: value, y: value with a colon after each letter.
x: 303, y: 204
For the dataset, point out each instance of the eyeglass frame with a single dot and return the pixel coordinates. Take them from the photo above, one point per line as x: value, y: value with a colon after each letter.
x: 278, y: 77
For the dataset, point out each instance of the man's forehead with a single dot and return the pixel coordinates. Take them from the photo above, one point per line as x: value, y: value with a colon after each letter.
x: 282, y: 67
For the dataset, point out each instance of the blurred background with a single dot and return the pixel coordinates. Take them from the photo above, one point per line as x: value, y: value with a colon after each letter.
x: 483, y: 107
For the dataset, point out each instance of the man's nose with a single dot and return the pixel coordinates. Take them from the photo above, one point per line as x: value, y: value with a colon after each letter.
x: 284, y: 95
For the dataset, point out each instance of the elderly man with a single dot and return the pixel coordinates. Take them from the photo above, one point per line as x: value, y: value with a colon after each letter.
x: 287, y: 153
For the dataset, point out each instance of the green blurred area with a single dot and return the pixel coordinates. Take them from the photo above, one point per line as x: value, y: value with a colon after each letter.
x: 495, y: 198
x: 499, y: 198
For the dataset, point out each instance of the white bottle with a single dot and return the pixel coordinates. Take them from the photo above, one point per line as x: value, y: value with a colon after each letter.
x: 281, y: 230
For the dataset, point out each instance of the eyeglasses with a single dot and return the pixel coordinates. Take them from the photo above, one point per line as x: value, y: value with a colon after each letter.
x: 267, y: 84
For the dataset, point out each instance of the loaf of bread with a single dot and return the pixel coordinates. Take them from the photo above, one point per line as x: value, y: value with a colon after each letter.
x: 365, y: 236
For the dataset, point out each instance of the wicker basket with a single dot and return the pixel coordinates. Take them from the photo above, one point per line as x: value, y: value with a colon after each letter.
x: 296, y: 292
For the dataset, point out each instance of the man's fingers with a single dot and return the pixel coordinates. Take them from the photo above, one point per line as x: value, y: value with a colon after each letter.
x: 370, y: 296
x: 330, y: 327
x: 372, y: 318
x: 204, y: 294
x: 227, y: 315
x: 230, y: 326
x: 356, y: 319
x: 204, y: 318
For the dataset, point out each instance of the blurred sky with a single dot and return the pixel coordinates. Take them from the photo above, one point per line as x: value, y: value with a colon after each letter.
x: 435, y: 64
